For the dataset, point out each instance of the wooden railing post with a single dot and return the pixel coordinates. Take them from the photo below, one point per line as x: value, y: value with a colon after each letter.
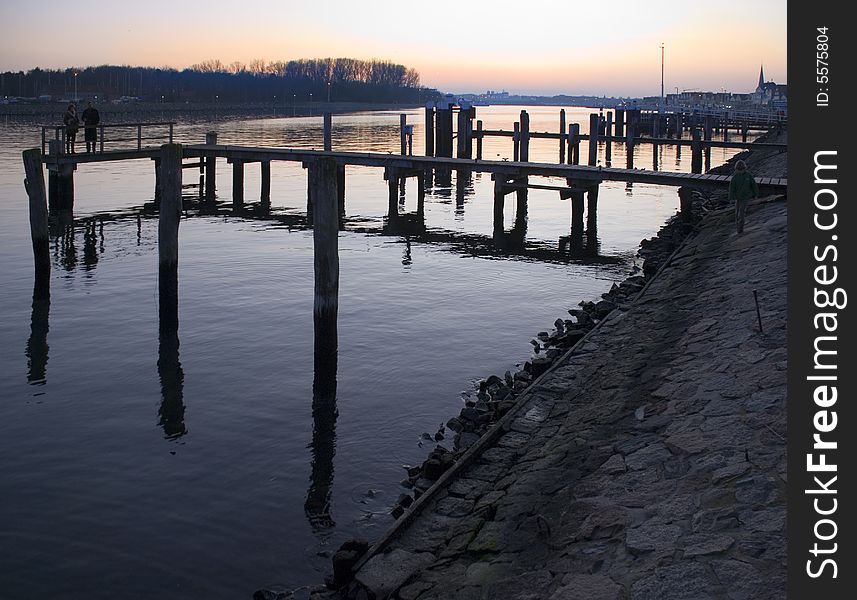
x: 139, y: 137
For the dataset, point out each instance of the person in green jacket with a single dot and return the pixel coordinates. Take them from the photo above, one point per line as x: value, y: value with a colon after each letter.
x: 742, y: 187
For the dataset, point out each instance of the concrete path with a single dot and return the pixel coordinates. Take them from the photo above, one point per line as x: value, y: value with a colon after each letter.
x: 650, y: 465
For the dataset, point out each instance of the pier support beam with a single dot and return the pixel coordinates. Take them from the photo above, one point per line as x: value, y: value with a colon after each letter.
x: 696, y: 152
x: 629, y: 141
x: 340, y: 193
x: 594, y: 121
x: 328, y: 132
x: 516, y: 142
x: 592, y: 220
x: 429, y: 128
x: 499, y: 203
x: 34, y: 183
x: 562, y: 134
x: 265, y: 192
x: 210, y: 167
x: 322, y: 181
x: 237, y: 184
x: 525, y: 136
x: 443, y: 129
x: 169, y: 216
x: 479, y: 139
x: 574, y: 143
x: 157, y: 162
x: 620, y: 122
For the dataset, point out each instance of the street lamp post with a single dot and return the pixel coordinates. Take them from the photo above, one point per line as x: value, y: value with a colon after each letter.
x: 75, y: 86
x: 310, y: 104
x: 328, y: 91
x: 662, y: 73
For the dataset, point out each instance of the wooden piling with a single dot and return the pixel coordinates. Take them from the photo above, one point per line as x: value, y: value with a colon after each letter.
x: 169, y: 216
x: 157, y: 162
x: 340, y: 193
x: 620, y: 122
x: 685, y: 196
x: 696, y: 152
x: 429, y: 128
x: 328, y: 132
x: 392, y: 195
x: 525, y: 137
x: 443, y: 129
x: 34, y: 183
x: 479, y: 139
x: 461, y: 138
x: 577, y: 202
x: 562, y: 134
x: 499, y: 202
x: 265, y: 193
x: 516, y: 142
x: 403, y: 136
x: 629, y: 140
x: 237, y: 184
x: 593, y: 138
x: 574, y: 143
x: 210, y: 167
x: 322, y: 177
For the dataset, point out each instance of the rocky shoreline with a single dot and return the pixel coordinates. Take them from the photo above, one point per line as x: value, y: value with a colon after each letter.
x: 498, y: 398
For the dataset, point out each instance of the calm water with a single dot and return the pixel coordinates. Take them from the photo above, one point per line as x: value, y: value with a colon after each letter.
x: 133, y: 467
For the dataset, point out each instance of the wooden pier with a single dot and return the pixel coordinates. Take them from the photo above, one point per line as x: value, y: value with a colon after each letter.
x: 326, y: 180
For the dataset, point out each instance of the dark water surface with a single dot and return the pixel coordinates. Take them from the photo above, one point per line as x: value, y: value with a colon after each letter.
x: 192, y: 466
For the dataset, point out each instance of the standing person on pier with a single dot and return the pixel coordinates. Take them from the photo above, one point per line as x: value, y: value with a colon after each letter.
x: 72, y: 123
x: 742, y: 187
x: 91, y: 119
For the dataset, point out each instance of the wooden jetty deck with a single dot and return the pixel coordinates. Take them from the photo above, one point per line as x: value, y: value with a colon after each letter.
x: 326, y: 179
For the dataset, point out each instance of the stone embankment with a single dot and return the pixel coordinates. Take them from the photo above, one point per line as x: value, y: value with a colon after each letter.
x: 646, y: 462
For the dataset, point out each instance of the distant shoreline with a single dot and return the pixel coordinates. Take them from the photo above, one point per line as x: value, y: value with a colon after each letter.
x: 53, y: 111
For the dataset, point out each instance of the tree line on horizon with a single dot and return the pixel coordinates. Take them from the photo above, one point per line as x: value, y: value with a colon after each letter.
x: 301, y: 80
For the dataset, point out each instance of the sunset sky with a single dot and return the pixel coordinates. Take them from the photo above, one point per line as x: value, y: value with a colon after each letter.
x: 539, y: 46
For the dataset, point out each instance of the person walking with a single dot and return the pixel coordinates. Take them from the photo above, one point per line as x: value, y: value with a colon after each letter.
x: 91, y: 119
x: 72, y: 123
x: 742, y: 187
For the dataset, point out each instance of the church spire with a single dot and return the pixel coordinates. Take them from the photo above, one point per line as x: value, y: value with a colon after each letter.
x: 761, y: 77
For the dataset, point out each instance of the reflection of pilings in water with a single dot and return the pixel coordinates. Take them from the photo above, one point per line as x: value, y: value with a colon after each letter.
x: 68, y: 252
x: 317, y: 506
x: 514, y: 239
x: 443, y: 181
x: 592, y: 248
x: 37, y: 344
x: 463, y: 184
x: 322, y: 175
x: 171, y: 374
x: 90, y: 253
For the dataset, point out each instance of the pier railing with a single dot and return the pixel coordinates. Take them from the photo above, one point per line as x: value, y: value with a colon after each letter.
x: 142, y: 135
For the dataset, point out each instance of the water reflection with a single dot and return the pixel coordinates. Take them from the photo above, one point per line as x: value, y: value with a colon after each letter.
x: 37, y: 343
x: 317, y: 506
x: 170, y: 372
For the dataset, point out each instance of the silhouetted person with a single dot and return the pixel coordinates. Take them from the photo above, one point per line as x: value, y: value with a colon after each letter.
x: 72, y: 123
x: 742, y: 187
x: 91, y: 119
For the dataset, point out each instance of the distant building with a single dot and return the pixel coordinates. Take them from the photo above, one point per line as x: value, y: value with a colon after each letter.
x: 770, y: 94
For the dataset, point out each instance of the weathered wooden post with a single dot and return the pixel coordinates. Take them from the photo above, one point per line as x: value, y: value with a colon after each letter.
x: 499, y: 202
x: 322, y: 177
x: 629, y: 140
x: 465, y: 130
x: 592, y: 219
x: 403, y: 135
x: 479, y: 139
x: 707, y: 137
x: 593, y: 139
x: 562, y: 135
x: 525, y: 136
x: 210, y: 166
x: 34, y: 183
x: 392, y: 194
x: 157, y: 161
x: 516, y: 142
x: 340, y: 193
x: 265, y: 192
x: 443, y: 142
x: 608, y: 147
x: 237, y: 184
x: 574, y: 143
x: 429, y: 128
x: 620, y: 122
x: 169, y: 216
x: 576, y: 238
x: 421, y: 195
x: 696, y: 152
x: 328, y: 132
